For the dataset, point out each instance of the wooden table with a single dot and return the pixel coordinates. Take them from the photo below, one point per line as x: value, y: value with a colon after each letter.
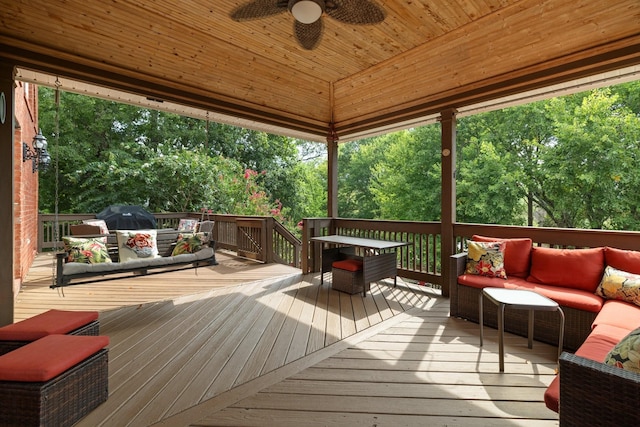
x: 378, y: 257
x: 521, y: 299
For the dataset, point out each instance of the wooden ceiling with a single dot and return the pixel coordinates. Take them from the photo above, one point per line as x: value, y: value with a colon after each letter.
x: 427, y: 55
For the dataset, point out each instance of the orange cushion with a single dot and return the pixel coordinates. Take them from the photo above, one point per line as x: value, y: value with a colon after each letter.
x: 348, y: 264
x: 517, y: 254
x: 620, y: 314
x: 566, y: 297
x: 623, y: 260
x: 596, y: 347
x: 569, y: 268
x: 475, y: 281
x: 48, y: 357
x: 47, y: 323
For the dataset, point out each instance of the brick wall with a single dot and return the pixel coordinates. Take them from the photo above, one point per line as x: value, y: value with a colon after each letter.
x: 25, y: 183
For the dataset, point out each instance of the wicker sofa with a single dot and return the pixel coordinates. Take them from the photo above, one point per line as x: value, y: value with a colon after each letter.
x: 593, y: 327
x: 73, y: 273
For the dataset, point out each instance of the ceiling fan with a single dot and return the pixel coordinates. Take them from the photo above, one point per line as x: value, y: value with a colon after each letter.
x: 308, y: 26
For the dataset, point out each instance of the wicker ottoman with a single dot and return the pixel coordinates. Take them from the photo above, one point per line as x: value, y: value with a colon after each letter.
x: 54, y: 381
x: 51, y: 322
x: 347, y: 276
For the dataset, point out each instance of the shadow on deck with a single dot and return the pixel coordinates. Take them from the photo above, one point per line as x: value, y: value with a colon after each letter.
x: 251, y: 344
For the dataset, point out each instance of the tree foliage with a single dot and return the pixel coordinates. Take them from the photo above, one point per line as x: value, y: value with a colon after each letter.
x: 110, y: 153
x: 571, y: 161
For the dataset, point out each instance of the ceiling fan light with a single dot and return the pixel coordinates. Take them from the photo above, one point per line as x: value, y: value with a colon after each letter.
x: 306, y: 11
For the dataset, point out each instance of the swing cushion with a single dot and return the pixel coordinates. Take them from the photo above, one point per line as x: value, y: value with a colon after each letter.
x: 187, y: 243
x: 134, y: 245
x: 86, y: 251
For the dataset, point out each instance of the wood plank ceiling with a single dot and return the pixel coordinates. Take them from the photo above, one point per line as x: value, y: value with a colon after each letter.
x: 427, y: 55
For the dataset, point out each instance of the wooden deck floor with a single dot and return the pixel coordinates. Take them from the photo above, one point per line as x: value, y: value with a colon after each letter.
x: 267, y: 346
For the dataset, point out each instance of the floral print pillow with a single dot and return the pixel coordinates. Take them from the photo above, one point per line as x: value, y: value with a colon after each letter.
x: 86, y: 251
x: 137, y: 244
x: 486, y: 259
x: 187, y: 244
x: 620, y: 285
x: 626, y: 354
x: 188, y: 225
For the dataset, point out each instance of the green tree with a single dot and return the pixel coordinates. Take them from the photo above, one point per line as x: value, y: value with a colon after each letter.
x: 593, y: 164
x: 407, y: 179
x: 356, y: 164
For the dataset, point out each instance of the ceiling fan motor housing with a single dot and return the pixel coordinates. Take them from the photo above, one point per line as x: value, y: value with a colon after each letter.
x: 306, y: 11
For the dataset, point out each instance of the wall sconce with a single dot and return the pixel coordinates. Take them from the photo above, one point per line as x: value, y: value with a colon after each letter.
x: 39, y: 155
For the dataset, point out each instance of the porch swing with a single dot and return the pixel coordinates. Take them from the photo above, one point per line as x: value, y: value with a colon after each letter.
x: 190, y: 253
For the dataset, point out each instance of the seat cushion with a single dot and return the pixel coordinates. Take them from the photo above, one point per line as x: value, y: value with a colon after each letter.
x: 47, y: 323
x: 348, y: 265
x: 566, y: 297
x: 48, y: 357
x: 619, y: 314
x: 596, y: 347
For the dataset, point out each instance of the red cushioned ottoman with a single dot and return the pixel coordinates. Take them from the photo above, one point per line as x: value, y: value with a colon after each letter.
x: 51, y: 322
x: 54, y: 381
x: 347, y: 276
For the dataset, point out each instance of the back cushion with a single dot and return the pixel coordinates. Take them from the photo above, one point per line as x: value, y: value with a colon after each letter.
x: 569, y: 268
x: 628, y: 261
x: 517, y: 254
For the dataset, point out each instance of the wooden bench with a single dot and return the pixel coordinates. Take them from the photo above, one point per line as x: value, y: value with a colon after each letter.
x: 50, y: 322
x: 54, y: 381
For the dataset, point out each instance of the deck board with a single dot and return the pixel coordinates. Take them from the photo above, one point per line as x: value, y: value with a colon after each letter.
x: 254, y: 345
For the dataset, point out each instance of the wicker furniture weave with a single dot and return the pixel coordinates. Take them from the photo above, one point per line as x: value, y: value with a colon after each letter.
x: 59, y: 402
x: 595, y: 394
x: 92, y: 328
x: 464, y: 304
x: 351, y: 282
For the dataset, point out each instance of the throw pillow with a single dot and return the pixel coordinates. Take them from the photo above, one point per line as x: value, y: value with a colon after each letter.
x: 626, y: 354
x: 517, y: 254
x: 486, y: 259
x: 620, y: 285
x: 99, y: 222
x: 187, y: 244
x: 87, y: 251
x: 136, y: 244
x: 188, y: 225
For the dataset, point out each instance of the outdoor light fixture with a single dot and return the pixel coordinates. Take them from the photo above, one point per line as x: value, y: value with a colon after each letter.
x: 306, y: 11
x: 39, y: 155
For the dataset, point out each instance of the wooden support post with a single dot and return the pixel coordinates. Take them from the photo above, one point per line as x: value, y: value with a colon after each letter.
x: 448, y: 216
x: 7, y: 113
x: 332, y: 173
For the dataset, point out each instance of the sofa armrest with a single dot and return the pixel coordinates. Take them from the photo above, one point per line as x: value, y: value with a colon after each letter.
x: 592, y: 393
x: 457, y: 265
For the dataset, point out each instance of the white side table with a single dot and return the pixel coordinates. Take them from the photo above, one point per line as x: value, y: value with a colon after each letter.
x: 523, y: 300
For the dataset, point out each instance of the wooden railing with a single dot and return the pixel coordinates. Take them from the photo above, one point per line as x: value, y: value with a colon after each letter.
x: 266, y: 240
x: 423, y: 259
x: 260, y: 238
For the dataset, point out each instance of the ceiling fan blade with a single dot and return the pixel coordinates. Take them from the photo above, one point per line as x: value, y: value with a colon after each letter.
x: 308, y: 35
x: 355, y: 11
x: 258, y: 9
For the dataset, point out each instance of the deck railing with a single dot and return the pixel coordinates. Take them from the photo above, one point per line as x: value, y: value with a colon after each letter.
x: 266, y: 240
x: 423, y: 259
